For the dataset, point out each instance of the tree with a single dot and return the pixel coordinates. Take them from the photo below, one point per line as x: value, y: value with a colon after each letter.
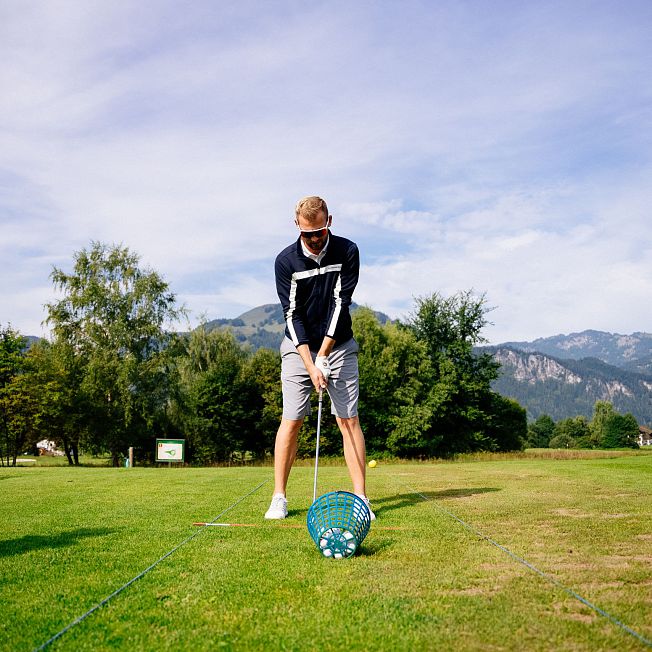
x: 620, y: 431
x: 507, y: 429
x: 263, y: 372
x: 450, y: 328
x: 12, y: 363
x: 603, y: 411
x: 20, y: 405
x: 55, y: 375
x: 398, y: 393
x: 562, y: 441
x: 573, y: 432
x: 113, y: 317
x: 423, y: 390
x: 228, y: 401
x: 540, y: 432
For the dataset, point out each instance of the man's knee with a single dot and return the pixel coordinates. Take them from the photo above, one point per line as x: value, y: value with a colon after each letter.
x: 290, y: 426
x: 347, y: 423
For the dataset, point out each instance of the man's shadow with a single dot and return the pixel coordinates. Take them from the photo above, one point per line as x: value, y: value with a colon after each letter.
x: 29, y: 542
x: 400, y: 501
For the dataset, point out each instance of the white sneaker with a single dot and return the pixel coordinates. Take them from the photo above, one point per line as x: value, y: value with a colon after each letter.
x: 278, y: 508
x: 365, y: 500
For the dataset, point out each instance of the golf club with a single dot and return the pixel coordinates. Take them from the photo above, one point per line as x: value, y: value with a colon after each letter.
x: 314, y: 491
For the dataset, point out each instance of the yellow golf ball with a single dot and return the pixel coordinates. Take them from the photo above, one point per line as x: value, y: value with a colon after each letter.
x: 372, y: 463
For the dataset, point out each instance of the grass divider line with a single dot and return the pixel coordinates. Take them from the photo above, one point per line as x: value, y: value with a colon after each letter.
x: 78, y: 620
x: 533, y: 568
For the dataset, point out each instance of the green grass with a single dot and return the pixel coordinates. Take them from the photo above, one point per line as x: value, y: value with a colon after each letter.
x: 71, y: 536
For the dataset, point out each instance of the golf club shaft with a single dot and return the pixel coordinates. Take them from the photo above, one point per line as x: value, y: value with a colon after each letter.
x: 314, y: 490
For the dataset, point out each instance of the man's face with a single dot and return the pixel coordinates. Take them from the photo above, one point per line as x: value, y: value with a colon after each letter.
x: 314, y: 233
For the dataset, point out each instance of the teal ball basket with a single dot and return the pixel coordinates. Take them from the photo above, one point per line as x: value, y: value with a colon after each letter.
x: 338, y: 522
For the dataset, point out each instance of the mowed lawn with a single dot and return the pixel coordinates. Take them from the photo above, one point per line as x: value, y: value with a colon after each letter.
x: 421, y: 580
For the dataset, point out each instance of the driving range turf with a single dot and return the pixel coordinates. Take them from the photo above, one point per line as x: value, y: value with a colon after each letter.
x: 436, y: 580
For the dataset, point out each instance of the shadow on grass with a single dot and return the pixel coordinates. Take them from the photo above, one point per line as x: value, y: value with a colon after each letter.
x: 31, y: 542
x: 371, y: 548
x: 381, y: 505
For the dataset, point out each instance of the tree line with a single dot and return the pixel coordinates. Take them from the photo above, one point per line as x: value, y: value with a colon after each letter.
x: 115, y: 374
x: 607, y: 428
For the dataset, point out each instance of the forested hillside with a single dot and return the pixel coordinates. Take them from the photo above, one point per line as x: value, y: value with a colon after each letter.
x: 561, y: 388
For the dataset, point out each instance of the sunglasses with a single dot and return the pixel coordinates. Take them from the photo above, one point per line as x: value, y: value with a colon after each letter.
x: 315, y: 233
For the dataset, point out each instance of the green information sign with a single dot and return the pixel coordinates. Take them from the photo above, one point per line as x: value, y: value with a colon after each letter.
x: 170, y: 450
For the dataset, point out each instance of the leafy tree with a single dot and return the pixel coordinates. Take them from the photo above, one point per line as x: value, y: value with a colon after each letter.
x: 20, y: 405
x: 574, y: 432
x: 507, y: 430
x: 563, y: 441
x: 540, y: 432
x: 262, y: 373
x: 12, y: 354
x: 423, y: 390
x: 113, y: 317
x: 450, y: 328
x: 54, y: 374
x: 603, y: 411
x: 620, y: 431
x: 228, y: 401
x: 398, y: 393
x: 12, y: 363
x: 38, y: 400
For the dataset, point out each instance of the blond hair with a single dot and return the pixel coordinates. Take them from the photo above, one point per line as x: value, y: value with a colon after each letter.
x: 310, y: 207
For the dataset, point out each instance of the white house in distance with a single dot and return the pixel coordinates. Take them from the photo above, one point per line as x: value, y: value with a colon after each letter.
x: 48, y: 447
x: 644, y: 436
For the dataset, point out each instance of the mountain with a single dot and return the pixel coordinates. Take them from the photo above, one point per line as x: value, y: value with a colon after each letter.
x: 631, y: 352
x: 545, y: 384
x: 263, y: 326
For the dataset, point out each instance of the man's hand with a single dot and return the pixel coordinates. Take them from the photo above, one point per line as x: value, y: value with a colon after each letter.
x: 319, y: 372
x: 321, y: 362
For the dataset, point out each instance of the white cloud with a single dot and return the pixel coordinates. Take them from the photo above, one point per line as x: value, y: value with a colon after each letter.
x: 545, y: 276
x: 504, y: 150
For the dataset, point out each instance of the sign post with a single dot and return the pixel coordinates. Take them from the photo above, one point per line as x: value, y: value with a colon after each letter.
x: 170, y: 450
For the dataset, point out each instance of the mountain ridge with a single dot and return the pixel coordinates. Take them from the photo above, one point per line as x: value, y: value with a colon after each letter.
x: 632, y: 352
x: 562, y: 388
x: 264, y: 325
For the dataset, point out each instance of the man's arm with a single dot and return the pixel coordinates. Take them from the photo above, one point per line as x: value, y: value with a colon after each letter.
x: 316, y: 375
x: 326, y: 346
x: 292, y: 314
x: 343, y: 292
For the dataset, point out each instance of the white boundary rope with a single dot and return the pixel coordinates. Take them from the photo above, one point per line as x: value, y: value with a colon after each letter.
x: 142, y: 573
x: 533, y: 568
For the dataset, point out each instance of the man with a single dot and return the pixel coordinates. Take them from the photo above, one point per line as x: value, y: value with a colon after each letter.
x: 315, y: 279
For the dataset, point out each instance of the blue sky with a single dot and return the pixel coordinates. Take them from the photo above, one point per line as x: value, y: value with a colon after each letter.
x: 499, y: 146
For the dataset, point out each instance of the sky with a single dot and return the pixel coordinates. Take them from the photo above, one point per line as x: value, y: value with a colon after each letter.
x: 503, y: 147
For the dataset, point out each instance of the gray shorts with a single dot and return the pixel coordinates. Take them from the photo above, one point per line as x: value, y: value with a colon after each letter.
x: 342, y: 386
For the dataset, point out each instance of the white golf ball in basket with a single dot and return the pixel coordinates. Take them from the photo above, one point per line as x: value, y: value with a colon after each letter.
x: 337, y: 543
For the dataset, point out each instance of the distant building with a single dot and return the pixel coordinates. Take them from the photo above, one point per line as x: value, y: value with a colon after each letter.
x: 48, y: 447
x: 644, y: 436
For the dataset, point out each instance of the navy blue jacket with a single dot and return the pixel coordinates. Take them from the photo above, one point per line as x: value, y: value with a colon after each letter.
x: 316, y: 297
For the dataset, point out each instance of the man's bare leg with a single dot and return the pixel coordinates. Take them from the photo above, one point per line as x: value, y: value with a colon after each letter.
x: 285, y: 450
x: 354, y: 452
